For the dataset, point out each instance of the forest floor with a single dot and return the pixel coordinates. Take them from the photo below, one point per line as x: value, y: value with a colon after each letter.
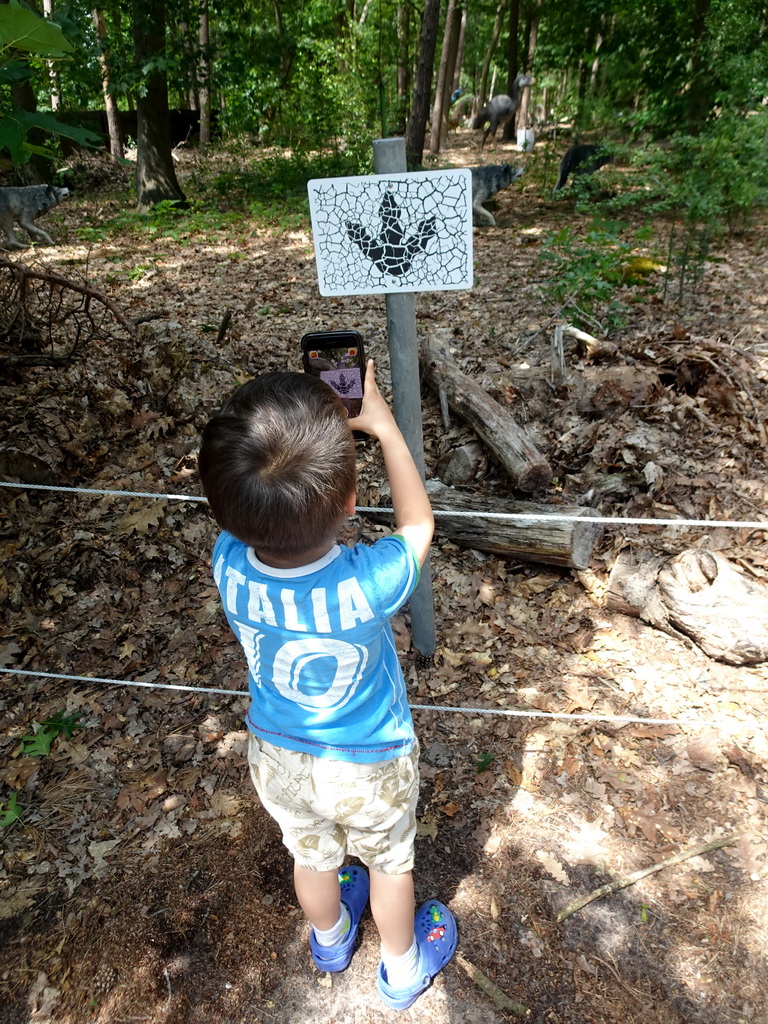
x: 143, y: 882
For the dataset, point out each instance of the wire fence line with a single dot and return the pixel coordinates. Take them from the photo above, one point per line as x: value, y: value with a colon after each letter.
x: 532, y: 517
x: 725, y: 724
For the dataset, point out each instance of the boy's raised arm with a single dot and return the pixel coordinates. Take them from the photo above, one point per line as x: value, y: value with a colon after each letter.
x: 413, y: 513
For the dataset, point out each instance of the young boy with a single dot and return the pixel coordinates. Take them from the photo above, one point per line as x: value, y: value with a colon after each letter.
x: 332, y: 750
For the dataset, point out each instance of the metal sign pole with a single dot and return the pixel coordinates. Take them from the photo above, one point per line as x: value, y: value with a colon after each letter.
x: 389, y: 158
x: 396, y: 233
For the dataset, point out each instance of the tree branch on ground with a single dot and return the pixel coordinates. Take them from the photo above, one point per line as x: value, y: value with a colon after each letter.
x: 636, y: 876
x: 500, y: 999
x: 49, y: 316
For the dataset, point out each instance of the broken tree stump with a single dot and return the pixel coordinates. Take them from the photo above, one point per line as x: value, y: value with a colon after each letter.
x: 698, y: 596
x: 527, y: 467
x: 463, y: 465
x: 554, y: 542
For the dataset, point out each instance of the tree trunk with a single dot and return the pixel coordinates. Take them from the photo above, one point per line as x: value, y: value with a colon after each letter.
x: 204, y: 73
x: 698, y: 595
x: 700, y: 86
x: 585, y: 65
x: 482, y: 92
x: 190, y: 68
x: 403, y: 56
x: 417, y: 122
x: 527, y: 467
x: 544, y: 106
x: 513, y: 58
x: 595, y: 67
x: 110, y: 103
x: 445, y: 77
x: 155, y: 174
x: 460, y: 52
x: 37, y: 168
x: 521, y: 118
x: 53, y: 74
x: 562, y: 90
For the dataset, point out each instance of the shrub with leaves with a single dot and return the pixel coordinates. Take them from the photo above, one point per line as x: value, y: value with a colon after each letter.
x: 715, y: 181
x: 23, y: 36
x: 584, y: 271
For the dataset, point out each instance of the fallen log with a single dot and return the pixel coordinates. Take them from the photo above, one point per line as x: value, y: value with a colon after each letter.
x: 560, y: 542
x: 525, y: 464
x: 698, y: 596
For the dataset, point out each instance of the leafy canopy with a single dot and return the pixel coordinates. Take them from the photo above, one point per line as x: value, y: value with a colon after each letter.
x: 24, y: 32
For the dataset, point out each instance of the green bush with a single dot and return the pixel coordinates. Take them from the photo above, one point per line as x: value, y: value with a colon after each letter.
x: 584, y: 272
x: 282, y: 180
x: 710, y: 183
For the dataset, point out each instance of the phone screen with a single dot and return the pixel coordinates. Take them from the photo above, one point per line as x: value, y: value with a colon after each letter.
x: 341, y: 365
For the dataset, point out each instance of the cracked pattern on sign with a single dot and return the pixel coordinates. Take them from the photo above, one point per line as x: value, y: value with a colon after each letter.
x: 392, y: 233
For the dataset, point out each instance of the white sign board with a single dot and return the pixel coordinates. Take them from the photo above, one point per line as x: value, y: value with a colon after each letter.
x: 393, y: 232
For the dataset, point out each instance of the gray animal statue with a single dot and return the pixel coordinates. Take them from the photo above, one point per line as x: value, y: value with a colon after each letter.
x: 581, y: 159
x: 23, y: 204
x: 501, y: 108
x: 486, y: 182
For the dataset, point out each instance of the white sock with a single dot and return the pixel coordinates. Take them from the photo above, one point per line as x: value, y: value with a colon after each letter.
x: 402, y: 971
x: 334, y: 936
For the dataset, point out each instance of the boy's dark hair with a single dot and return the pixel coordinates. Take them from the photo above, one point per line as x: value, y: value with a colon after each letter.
x: 277, y: 463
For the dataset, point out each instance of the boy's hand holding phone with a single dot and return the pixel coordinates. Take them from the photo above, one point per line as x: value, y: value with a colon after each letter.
x: 375, y: 416
x: 413, y: 513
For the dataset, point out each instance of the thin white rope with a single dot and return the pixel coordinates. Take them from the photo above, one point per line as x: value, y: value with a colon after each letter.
x: 517, y: 516
x: 728, y: 724
x: 102, y: 491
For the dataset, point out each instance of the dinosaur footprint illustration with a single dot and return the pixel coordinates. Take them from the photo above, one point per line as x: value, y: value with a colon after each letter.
x: 391, y: 252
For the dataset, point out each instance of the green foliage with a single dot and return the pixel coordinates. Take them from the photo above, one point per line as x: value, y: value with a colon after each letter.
x: 15, y: 125
x: 274, y: 193
x: 302, y: 81
x: 22, y: 29
x: 656, y: 68
x: 484, y: 761
x: 80, y: 78
x: 720, y: 175
x: 39, y: 743
x: 276, y: 187
x: 10, y: 811
x: 281, y: 177
x: 585, y: 271
x: 139, y: 272
x: 24, y: 32
x: 704, y: 185
x: 167, y: 219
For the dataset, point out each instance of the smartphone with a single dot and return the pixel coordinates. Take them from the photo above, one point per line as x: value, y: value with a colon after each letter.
x: 338, y: 358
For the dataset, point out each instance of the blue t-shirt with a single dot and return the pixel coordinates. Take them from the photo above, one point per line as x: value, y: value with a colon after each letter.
x: 324, y: 676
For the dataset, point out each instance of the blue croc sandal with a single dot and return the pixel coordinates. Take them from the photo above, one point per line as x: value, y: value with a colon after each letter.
x: 436, y: 937
x: 354, y: 895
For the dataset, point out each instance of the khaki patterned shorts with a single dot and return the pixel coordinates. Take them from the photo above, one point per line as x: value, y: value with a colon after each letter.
x: 330, y: 809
